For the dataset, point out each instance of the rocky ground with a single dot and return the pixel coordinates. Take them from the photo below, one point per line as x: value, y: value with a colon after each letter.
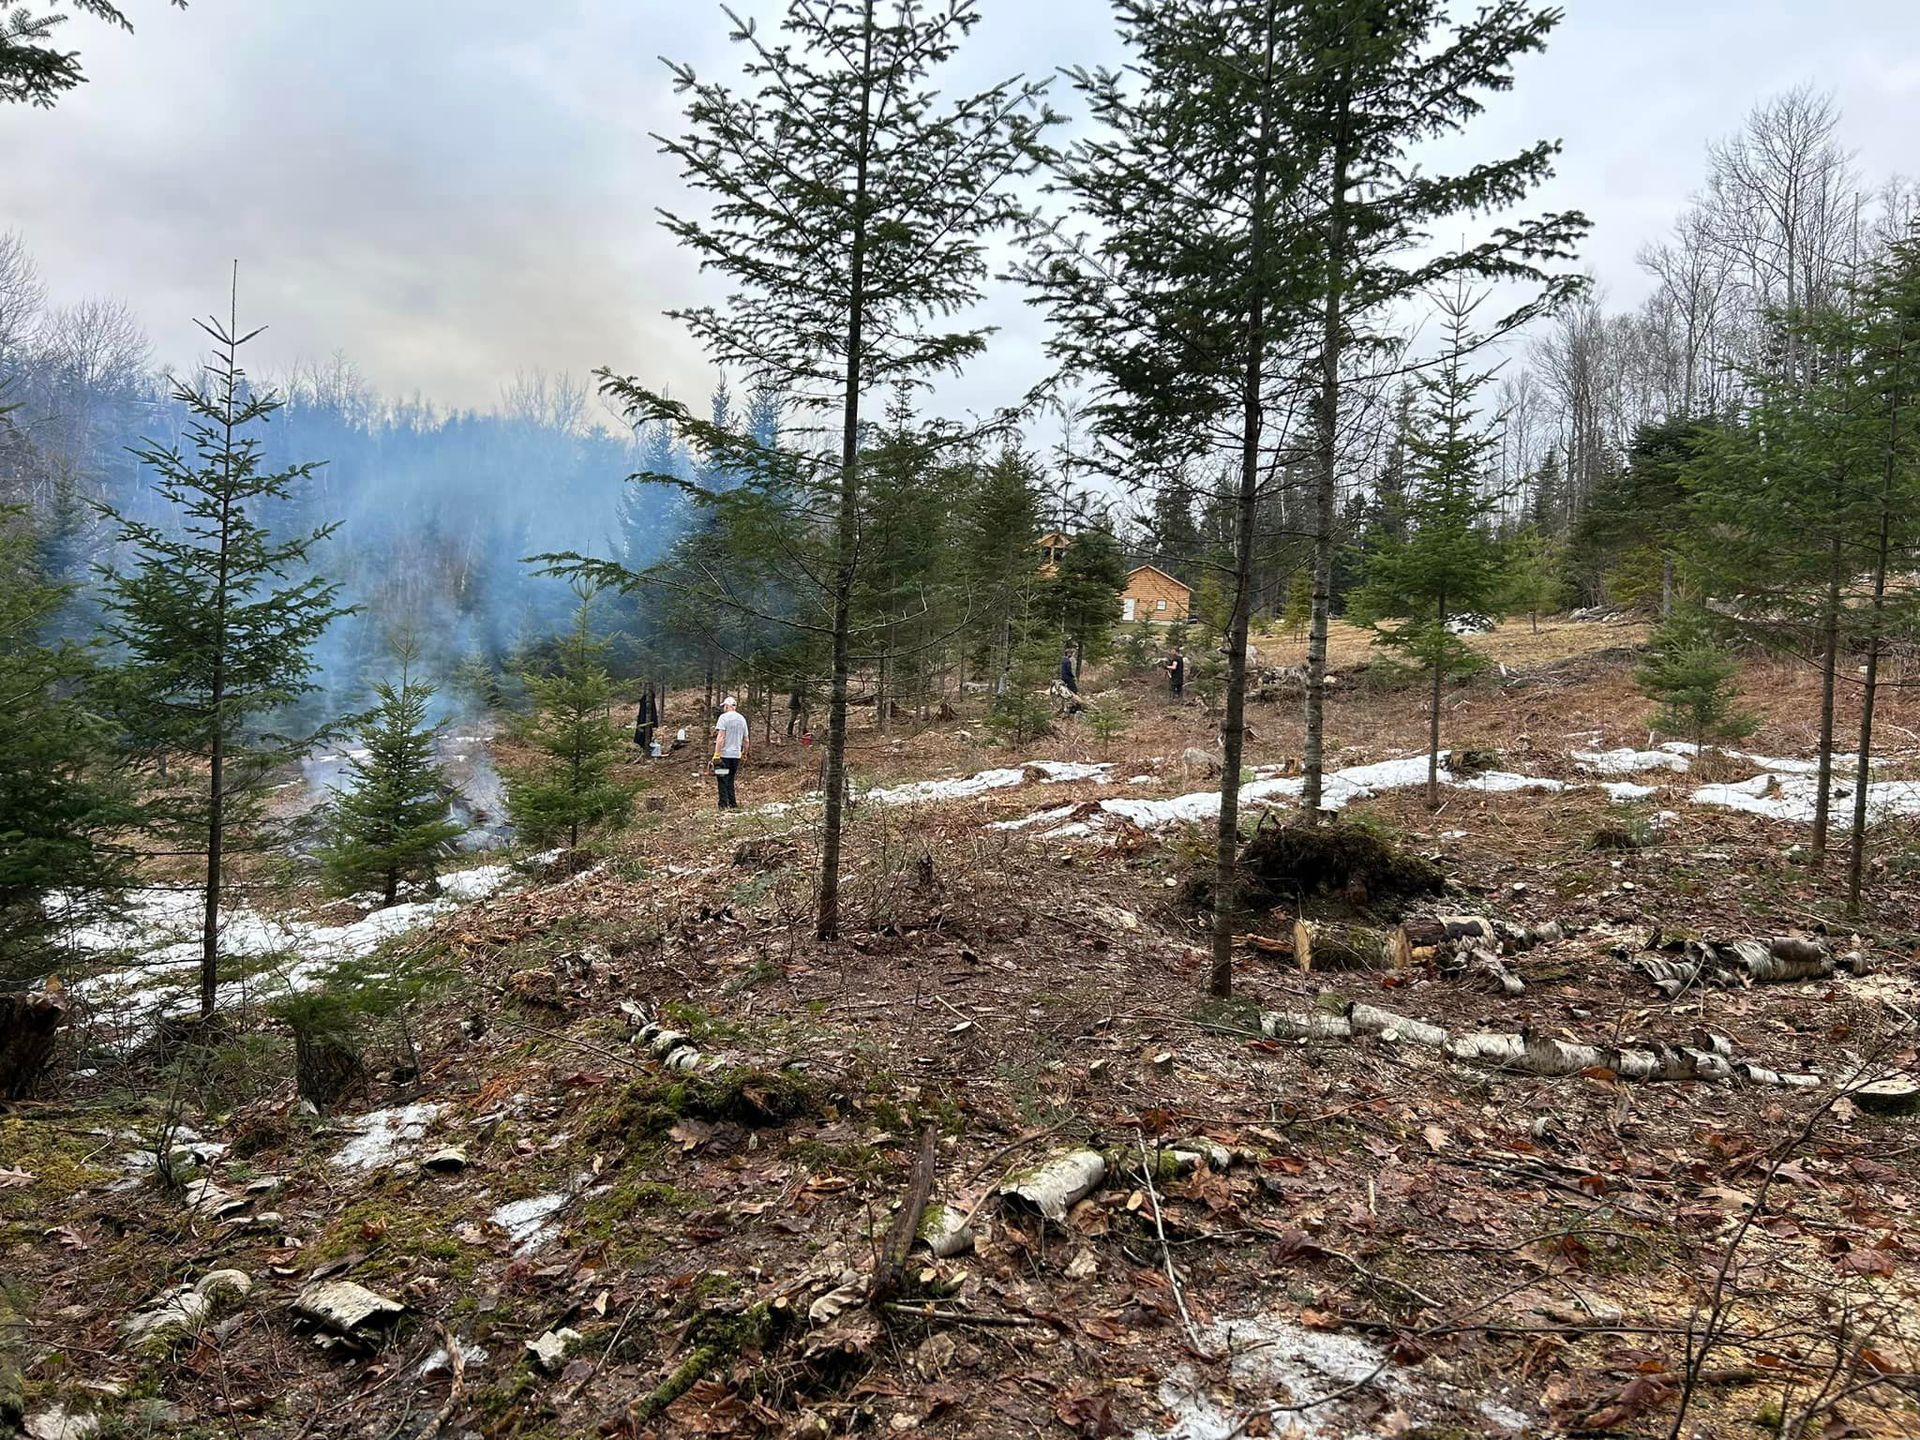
x: 631, y: 1142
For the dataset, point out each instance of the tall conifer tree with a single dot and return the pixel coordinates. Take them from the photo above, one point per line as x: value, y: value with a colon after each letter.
x: 1448, y: 564
x: 1370, y: 81
x: 573, y: 784
x: 852, y: 206
x: 217, y: 617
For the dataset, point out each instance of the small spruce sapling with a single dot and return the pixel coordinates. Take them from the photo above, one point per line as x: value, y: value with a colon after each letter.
x: 1418, y: 589
x: 393, y: 823
x: 571, y: 786
x: 1297, y: 614
x: 1107, y: 720
x: 1022, y: 711
x: 1691, y: 676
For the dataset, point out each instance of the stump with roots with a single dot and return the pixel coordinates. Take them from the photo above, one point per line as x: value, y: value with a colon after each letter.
x: 30, y: 1023
x: 327, y: 1064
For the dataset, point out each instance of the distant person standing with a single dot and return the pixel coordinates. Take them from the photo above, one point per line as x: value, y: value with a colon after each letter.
x: 1066, y: 671
x: 1176, y: 668
x: 730, y: 743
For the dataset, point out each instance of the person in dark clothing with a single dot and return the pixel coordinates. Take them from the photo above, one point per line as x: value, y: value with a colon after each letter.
x: 796, y: 710
x: 1066, y: 671
x: 1176, y: 668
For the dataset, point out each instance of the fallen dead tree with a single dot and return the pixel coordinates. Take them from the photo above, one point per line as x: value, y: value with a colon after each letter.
x: 1529, y: 1052
x: 1737, y: 964
x: 1467, y: 947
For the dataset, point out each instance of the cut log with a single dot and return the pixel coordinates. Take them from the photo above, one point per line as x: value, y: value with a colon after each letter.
x: 1057, y: 1184
x: 1735, y: 964
x: 1486, y: 968
x: 1434, y: 931
x: 1370, y: 1020
x: 1315, y: 1025
x: 1323, y: 945
x: 1898, y: 1096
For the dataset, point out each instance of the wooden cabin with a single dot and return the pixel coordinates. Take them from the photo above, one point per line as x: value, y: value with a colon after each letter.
x: 1052, y: 545
x: 1152, y: 594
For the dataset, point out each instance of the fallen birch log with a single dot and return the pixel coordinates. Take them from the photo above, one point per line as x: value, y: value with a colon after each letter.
x: 1057, y: 1184
x: 1529, y: 1052
x: 1736, y: 964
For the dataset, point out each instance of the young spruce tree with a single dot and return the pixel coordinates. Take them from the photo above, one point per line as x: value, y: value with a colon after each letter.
x: 216, y: 617
x: 1692, y: 676
x: 1448, y: 564
x: 394, y: 823
x: 852, y: 206
x: 1373, y: 81
x: 61, y: 804
x: 573, y: 786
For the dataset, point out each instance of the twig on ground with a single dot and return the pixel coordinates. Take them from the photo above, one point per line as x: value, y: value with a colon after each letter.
x: 1166, y: 1255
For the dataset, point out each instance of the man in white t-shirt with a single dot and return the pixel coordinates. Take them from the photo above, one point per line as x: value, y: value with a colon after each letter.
x: 730, y: 741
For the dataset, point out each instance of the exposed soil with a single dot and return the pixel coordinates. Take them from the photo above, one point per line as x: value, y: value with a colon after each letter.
x: 1387, y: 1242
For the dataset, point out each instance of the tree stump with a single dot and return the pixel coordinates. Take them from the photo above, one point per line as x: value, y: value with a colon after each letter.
x: 30, y: 1023
x: 326, y: 1065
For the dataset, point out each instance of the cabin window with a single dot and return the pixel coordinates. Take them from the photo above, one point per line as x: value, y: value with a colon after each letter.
x: 1159, y: 604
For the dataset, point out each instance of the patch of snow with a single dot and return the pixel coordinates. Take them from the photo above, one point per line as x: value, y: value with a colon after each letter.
x: 1793, y: 797
x: 1779, y: 765
x: 1068, y: 832
x: 1505, y: 1416
x: 1270, y: 1359
x: 1039, y: 817
x: 528, y: 1222
x: 470, y: 1354
x: 1056, y: 772
x: 1500, y: 782
x: 1140, y: 780
x: 1623, y: 792
x: 1339, y: 788
x: 161, y: 927
x: 384, y: 1135
x: 477, y: 883
x: 1628, y: 761
x: 922, y: 791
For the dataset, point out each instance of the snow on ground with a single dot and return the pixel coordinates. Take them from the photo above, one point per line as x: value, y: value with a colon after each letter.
x: 1339, y: 789
x: 383, y: 1136
x: 1625, y: 792
x: 1628, y: 761
x: 1051, y: 772
x: 526, y: 1221
x: 1790, y: 796
x: 161, y: 929
x: 1277, y: 1361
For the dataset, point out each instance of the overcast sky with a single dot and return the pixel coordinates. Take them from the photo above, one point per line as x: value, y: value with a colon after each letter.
x: 448, y: 191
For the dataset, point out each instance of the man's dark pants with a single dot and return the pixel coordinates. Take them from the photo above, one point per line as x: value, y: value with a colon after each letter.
x: 725, y: 770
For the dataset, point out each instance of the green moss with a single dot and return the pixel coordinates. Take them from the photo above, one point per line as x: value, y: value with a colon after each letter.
x: 398, y: 1233
x: 650, y: 1106
x: 1232, y: 1013
x: 61, y: 1159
